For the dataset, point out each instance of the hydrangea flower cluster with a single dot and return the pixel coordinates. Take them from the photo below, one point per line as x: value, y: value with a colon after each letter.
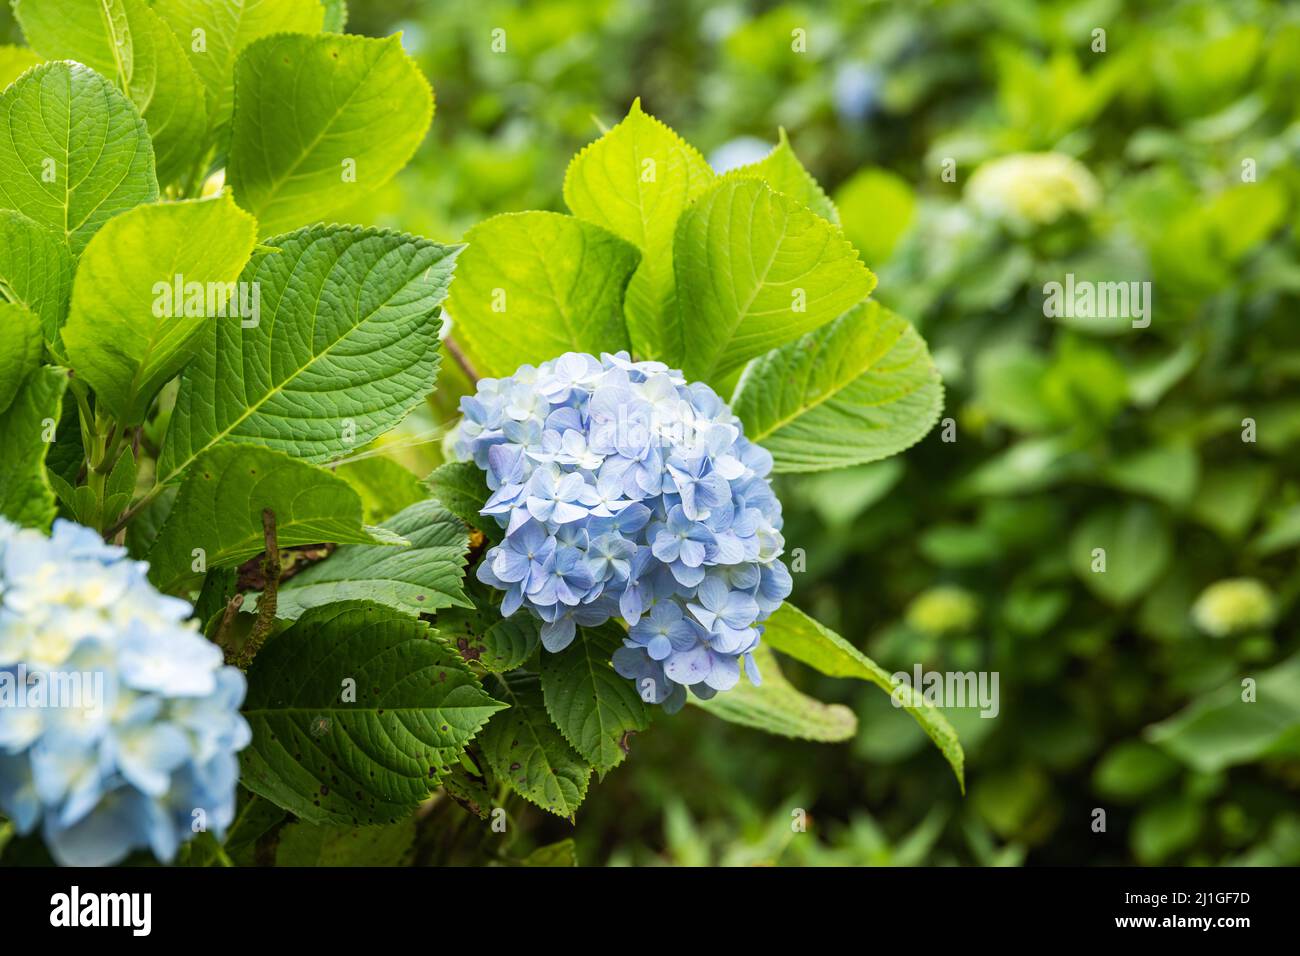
x: 626, y: 492
x: 119, y: 723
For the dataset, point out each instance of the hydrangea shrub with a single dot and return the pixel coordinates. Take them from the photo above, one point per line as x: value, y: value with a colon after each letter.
x: 197, y: 369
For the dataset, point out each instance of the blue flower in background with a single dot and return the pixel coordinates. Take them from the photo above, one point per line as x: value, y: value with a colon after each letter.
x: 626, y: 492
x: 119, y: 723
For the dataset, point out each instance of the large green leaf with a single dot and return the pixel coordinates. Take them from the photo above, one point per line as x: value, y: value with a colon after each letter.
x: 127, y: 42
x: 592, y: 705
x: 1222, y: 729
x: 555, y: 282
x: 782, y: 170
x: 777, y: 707
x: 635, y: 181
x: 498, y: 644
x: 219, y: 510
x: 228, y: 26
x: 417, y: 580
x: 793, y: 632
x: 858, y: 389
x: 346, y: 346
x: 352, y: 127
x: 1120, y: 551
x: 74, y: 151
x: 25, y: 494
x: 755, y: 270
x: 525, y: 750
x: 20, y: 349
x: 371, y: 756
x: 35, y: 270
x: 128, y: 332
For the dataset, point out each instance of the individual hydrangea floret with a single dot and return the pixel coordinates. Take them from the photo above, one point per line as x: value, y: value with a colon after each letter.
x: 119, y: 723
x: 626, y: 492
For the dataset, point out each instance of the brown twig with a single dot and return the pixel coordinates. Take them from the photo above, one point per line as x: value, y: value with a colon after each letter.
x: 459, y: 357
x: 266, y: 604
x: 221, y: 637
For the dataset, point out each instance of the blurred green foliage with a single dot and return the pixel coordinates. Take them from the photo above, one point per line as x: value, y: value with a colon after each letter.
x: 1175, y: 447
x: 976, y: 152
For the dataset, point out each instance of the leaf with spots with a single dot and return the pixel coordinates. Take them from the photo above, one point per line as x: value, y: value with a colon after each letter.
x: 329, y: 758
x: 590, y: 703
x: 482, y: 635
x: 525, y: 750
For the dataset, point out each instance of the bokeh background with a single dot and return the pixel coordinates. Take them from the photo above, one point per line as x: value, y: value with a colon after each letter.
x: 1173, y: 156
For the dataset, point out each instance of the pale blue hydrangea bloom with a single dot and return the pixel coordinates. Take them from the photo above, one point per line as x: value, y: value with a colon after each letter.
x: 626, y: 492
x: 133, y: 740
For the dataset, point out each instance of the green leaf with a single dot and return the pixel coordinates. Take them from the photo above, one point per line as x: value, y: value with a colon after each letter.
x: 776, y: 707
x: 356, y: 712
x: 462, y: 489
x: 385, y: 486
x: 858, y: 389
x: 128, y: 43
x: 26, y: 497
x: 635, y: 181
x: 349, y: 134
x: 876, y: 208
x: 336, y: 15
x: 526, y: 751
x: 14, y: 62
x: 329, y: 845
x: 1229, y: 497
x: 35, y: 270
x: 1168, y: 473
x: 1137, y: 543
x: 482, y: 635
x: 563, y: 853
x: 1223, y: 729
x: 219, y: 510
x: 756, y: 270
x: 415, y: 580
x: 589, y: 702
x: 782, y: 170
x: 346, y: 346
x: 555, y: 281
x: 793, y: 632
x: 74, y: 152
x: 228, y: 27
x: 20, y: 349
x: 129, y: 332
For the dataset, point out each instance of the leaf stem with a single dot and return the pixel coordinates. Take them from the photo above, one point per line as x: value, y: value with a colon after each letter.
x: 266, y: 604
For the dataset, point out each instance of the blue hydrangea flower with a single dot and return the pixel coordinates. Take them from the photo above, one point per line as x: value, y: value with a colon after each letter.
x: 119, y: 723
x: 626, y: 492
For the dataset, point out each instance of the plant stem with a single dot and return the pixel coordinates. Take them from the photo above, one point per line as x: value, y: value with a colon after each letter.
x: 459, y: 357
x: 270, y: 593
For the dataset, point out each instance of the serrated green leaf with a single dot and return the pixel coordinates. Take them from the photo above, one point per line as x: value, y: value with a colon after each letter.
x: 228, y: 27
x: 1135, y: 545
x: 557, y: 283
x: 219, y: 510
x: 35, y: 270
x: 791, y: 631
x: 336, y: 15
x: 14, y: 62
x: 21, y: 345
x: 128, y: 333
x: 349, y: 135
x: 589, y: 702
x: 26, y: 497
x: 462, y: 490
x: 782, y: 170
x: 74, y: 151
x: 858, y: 389
x: 482, y: 635
x: 526, y: 751
x: 129, y: 44
x: 346, y: 346
x: 415, y: 580
x: 331, y: 757
x: 756, y: 270
x: 303, y: 844
x: 776, y: 707
x: 635, y: 181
